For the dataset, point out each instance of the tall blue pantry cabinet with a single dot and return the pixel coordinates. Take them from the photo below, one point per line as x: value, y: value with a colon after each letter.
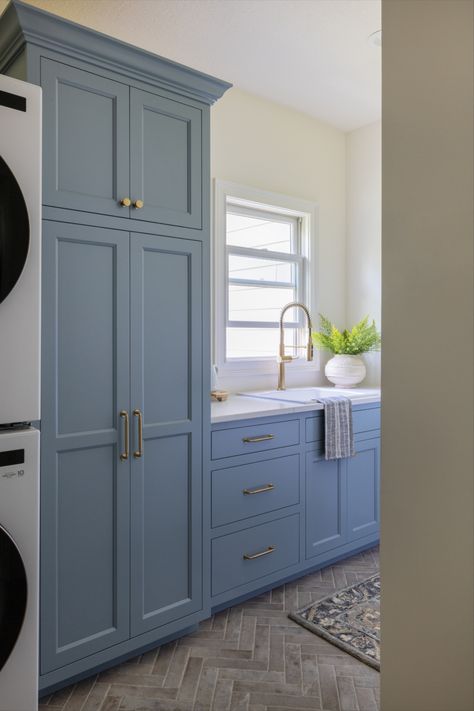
x: 125, y: 338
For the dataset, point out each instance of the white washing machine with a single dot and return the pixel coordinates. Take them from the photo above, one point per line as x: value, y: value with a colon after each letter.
x: 20, y: 256
x: 20, y: 250
x: 19, y: 569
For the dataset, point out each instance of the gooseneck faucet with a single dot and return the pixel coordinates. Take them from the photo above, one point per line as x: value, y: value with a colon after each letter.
x: 282, y: 358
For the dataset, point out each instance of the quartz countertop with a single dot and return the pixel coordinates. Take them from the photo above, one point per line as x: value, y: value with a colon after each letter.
x: 243, y: 407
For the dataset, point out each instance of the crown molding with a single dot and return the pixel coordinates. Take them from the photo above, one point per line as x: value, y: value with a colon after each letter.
x: 22, y: 24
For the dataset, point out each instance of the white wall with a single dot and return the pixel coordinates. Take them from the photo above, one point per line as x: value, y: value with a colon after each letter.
x: 427, y: 362
x: 363, y: 229
x: 268, y: 146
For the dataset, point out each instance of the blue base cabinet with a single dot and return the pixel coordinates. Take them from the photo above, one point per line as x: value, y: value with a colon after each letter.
x: 278, y: 508
x: 363, y: 489
x: 325, y: 504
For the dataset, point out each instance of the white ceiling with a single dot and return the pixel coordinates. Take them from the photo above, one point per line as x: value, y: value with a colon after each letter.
x: 312, y: 55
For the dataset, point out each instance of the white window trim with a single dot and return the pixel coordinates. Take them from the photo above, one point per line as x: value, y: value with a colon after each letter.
x: 262, y: 200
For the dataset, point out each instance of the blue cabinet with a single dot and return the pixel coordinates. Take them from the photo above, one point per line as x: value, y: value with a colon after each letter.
x: 121, y: 506
x: 86, y: 132
x: 299, y: 500
x: 363, y: 489
x: 165, y: 149
x: 117, y: 150
x: 125, y: 338
x: 166, y: 393
x: 325, y: 504
x: 84, y: 484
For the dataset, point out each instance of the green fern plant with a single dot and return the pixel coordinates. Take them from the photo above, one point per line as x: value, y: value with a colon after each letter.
x: 362, y: 338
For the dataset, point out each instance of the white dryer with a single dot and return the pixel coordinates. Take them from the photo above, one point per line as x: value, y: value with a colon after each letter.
x: 20, y: 250
x: 19, y: 564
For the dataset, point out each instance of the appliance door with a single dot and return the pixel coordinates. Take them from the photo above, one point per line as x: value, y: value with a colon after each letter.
x: 13, y: 595
x: 14, y: 230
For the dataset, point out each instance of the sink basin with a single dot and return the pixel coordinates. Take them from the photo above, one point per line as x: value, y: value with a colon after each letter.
x: 305, y: 396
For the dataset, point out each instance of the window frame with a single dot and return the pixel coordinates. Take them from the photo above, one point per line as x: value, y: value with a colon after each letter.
x: 255, y: 200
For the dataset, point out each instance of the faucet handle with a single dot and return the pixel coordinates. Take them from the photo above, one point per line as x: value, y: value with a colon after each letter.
x: 285, y: 358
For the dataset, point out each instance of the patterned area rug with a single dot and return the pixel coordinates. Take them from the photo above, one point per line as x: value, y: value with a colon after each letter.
x: 350, y: 619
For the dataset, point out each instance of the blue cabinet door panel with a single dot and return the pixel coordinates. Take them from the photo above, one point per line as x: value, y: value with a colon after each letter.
x: 326, y: 501
x: 363, y: 491
x: 166, y: 481
x: 166, y: 160
x: 84, y: 485
x: 85, y: 140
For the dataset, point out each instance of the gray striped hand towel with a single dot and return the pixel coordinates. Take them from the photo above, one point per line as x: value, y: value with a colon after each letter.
x: 339, y: 435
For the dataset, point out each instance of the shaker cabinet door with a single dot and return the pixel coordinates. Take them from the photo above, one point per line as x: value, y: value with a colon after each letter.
x: 166, y: 395
x: 166, y: 161
x: 326, y: 499
x: 363, y: 480
x: 85, y: 140
x: 84, y: 482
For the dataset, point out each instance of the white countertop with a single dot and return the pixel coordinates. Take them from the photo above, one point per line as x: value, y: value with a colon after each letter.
x: 239, y: 407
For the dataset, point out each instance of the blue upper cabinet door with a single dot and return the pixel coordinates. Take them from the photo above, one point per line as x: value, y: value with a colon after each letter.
x: 166, y: 394
x: 326, y: 497
x: 166, y: 160
x: 363, y: 484
x: 84, y: 482
x: 86, y: 140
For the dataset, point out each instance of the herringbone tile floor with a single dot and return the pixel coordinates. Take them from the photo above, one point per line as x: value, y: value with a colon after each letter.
x: 248, y: 658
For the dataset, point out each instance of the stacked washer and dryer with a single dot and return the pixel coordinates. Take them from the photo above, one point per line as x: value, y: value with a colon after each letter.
x: 20, y: 247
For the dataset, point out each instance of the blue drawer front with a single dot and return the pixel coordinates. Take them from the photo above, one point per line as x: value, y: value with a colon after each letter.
x: 253, y: 489
x: 366, y: 420
x: 254, y: 438
x: 363, y: 421
x: 281, y: 538
x: 315, y: 428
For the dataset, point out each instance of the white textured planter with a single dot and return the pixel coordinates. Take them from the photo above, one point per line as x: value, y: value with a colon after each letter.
x: 345, y: 371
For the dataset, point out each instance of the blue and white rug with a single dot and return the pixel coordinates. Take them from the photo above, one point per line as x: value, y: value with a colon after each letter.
x: 349, y: 618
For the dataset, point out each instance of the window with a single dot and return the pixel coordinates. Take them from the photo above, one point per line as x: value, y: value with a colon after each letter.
x: 262, y: 258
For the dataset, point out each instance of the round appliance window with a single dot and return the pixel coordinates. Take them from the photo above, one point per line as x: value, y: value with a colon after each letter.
x: 13, y: 594
x: 14, y: 231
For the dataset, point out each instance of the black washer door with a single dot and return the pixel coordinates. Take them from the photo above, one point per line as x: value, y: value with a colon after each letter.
x: 13, y: 594
x: 14, y: 231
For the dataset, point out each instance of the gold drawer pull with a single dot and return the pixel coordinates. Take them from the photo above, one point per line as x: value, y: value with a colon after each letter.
x: 138, y: 453
x: 138, y: 204
x: 267, y: 551
x: 260, y: 490
x: 125, y: 202
x: 124, y: 417
x: 261, y: 438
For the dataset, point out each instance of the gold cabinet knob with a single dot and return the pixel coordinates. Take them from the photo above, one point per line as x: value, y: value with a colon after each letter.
x: 138, y: 204
x: 125, y: 202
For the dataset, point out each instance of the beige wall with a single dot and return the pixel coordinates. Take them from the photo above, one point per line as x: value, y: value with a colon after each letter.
x: 268, y: 146
x: 427, y: 364
x: 363, y: 230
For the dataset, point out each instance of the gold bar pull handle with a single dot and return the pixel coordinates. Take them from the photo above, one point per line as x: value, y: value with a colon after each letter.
x: 138, y: 453
x: 261, y: 438
x: 260, y: 490
x: 124, y: 417
x: 267, y: 551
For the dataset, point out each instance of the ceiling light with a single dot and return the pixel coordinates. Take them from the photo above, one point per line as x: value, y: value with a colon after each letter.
x: 375, y: 38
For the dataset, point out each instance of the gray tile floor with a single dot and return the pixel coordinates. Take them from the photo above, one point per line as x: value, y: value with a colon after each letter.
x: 248, y: 658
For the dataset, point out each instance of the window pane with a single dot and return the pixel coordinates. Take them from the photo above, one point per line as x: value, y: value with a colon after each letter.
x: 260, y: 269
x: 258, y: 303
x: 259, y: 233
x: 257, y: 342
